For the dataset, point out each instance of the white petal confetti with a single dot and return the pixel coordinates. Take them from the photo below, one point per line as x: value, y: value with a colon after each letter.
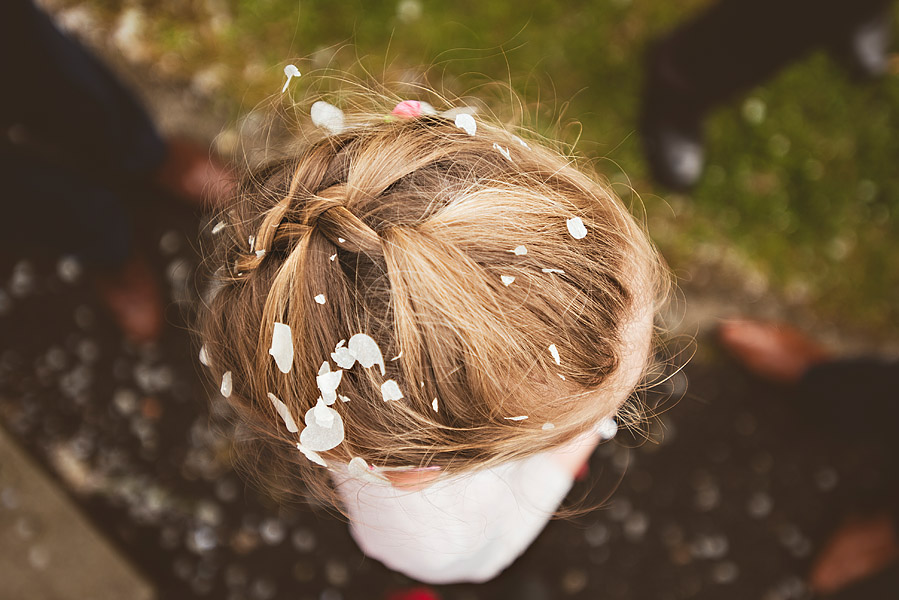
x: 324, y: 416
x: 397, y: 357
x: 282, y: 347
x: 427, y: 108
x: 558, y: 271
x: 341, y: 240
x: 291, y: 71
x: 327, y: 116
x: 311, y: 455
x: 521, y: 418
x: 547, y: 426
x: 502, y: 150
x: 218, y: 227
x: 343, y: 398
x: 359, y: 469
x: 342, y: 356
x: 521, y: 141
x: 555, y: 352
x: 284, y: 413
x: 434, y: 405
x: 607, y: 428
x: 333, y: 257
x: 226, y: 384
x: 260, y: 253
x: 466, y: 123
x: 390, y: 390
x: 576, y: 228
x: 366, y: 350
x: 252, y: 241
x: 204, y: 356
x: 520, y: 250
x: 320, y: 299
x: 507, y: 280
x: 317, y: 437
x: 327, y: 384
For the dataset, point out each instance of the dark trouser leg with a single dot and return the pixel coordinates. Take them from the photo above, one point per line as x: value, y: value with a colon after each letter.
x: 57, y: 209
x: 737, y: 44
x: 68, y: 101
x: 859, y: 396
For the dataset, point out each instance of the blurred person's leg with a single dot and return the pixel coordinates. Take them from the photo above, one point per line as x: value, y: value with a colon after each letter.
x: 77, y: 143
x: 731, y: 47
x: 853, y: 399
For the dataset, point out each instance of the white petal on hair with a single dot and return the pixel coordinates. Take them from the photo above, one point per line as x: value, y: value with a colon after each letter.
x: 558, y: 271
x: 459, y: 110
x: 520, y: 250
x: 323, y: 415
x: 397, y: 357
x: 521, y: 418
x: 260, y: 253
x: 218, y: 227
x: 343, y: 398
x: 320, y: 299
x: 547, y: 426
x: 226, y: 384
x: 366, y: 350
x: 333, y: 257
x: 204, y: 356
x: 325, y: 368
x: 284, y: 413
x: 390, y: 390
x: 359, y: 469
x: 252, y: 241
x: 327, y: 116
x: 291, y: 71
x: 507, y: 280
x: 521, y: 141
x: 466, y: 123
x: 434, y: 405
x: 318, y: 437
x: 341, y: 240
x: 607, y: 428
x: 502, y: 150
x: 427, y: 108
x: 327, y: 385
x: 576, y: 228
x: 562, y: 377
x: 343, y: 357
x: 311, y: 455
x: 282, y: 347
x: 555, y: 352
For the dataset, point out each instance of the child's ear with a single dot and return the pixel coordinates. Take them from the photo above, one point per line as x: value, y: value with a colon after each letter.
x: 412, y: 481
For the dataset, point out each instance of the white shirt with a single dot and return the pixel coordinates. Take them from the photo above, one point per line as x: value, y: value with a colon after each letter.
x: 466, y: 528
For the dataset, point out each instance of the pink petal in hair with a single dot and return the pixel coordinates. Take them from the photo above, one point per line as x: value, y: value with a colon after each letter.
x: 407, y: 109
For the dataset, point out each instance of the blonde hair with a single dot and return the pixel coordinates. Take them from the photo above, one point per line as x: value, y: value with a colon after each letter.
x: 408, y: 227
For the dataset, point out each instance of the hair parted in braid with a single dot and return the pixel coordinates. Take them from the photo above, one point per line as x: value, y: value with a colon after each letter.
x: 410, y: 231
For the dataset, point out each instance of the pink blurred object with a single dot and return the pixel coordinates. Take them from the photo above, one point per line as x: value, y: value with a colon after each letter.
x: 407, y: 109
x: 421, y: 593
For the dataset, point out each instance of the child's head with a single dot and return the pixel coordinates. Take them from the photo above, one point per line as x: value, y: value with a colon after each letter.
x: 497, y: 280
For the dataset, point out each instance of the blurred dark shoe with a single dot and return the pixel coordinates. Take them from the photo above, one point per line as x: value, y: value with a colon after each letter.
x: 191, y: 173
x: 859, y: 549
x: 132, y: 296
x: 864, y: 51
x: 670, y: 128
x: 774, y: 352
